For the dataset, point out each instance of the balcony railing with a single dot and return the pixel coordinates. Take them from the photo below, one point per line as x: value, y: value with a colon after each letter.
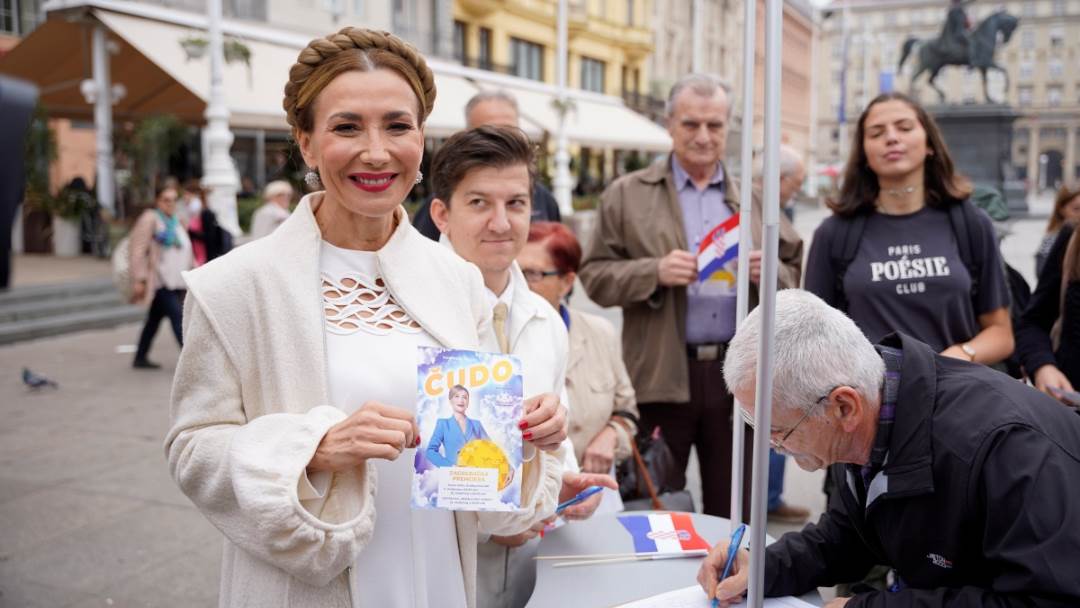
x: 652, y: 107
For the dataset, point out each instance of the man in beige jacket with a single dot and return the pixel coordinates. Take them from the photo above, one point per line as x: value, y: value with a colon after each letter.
x: 643, y: 257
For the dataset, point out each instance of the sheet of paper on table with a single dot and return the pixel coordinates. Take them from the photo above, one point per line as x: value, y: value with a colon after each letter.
x: 694, y: 597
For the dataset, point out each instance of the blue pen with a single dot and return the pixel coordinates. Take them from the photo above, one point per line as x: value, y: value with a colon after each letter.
x: 583, y: 495
x: 732, y: 551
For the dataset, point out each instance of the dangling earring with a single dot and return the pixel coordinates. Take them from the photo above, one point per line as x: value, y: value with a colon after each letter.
x: 419, y: 177
x: 312, y: 180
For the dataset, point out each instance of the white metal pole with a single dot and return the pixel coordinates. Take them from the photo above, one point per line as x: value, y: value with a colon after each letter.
x: 103, y: 128
x: 845, y: 42
x: 738, y: 429
x: 562, y: 144
x: 810, y: 185
x: 771, y: 244
x: 697, y: 25
x: 219, y: 173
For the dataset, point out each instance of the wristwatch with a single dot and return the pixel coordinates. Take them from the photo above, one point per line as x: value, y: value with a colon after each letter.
x: 968, y: 349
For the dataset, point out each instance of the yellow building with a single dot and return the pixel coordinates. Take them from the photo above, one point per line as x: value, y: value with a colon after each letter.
x: 609, y: 41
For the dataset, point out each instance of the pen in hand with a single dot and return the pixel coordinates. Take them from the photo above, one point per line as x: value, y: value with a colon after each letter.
x: 732, y: 551
x: 581, y: 497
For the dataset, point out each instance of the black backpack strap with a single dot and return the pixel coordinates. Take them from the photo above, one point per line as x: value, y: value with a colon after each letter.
x: 969, y: 240
x: 842, y: 252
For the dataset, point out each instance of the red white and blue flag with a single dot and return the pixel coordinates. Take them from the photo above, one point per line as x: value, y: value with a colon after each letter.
x: 663, y: 533
x: 718, y: 248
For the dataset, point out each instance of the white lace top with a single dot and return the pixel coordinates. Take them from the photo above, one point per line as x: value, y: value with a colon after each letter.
x: 412, y: 559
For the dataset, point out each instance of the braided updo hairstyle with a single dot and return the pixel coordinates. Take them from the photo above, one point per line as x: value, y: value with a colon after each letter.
x: 353, y: 48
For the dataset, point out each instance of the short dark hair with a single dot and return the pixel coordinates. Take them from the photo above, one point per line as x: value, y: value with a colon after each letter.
x: 943, y: 184
x: 486, y: 146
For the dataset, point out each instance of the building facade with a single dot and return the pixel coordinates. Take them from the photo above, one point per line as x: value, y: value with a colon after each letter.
x: 609, y: 41
x: 861, y: 44
x: 721, y: 49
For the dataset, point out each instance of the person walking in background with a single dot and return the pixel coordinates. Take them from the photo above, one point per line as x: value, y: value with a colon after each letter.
x: 1066, y: 209
x: 500, y: 109
x: 159, y: 252
x: 604, y: 418
x: 643, y: 258
x: 904, y: 249
x: 1048, y: 334
x: 277, y: 198
x: 209, y: 240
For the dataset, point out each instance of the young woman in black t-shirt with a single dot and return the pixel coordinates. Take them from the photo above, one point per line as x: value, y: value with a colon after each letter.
x: 907, y: 273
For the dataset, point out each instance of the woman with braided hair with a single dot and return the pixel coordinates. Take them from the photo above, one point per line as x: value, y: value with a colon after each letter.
x: 293, y: 398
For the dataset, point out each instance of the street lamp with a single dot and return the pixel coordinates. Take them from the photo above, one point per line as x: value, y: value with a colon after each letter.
x: 219, y: 174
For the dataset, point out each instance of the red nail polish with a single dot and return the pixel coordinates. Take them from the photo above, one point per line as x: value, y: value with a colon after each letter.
x: 417, y: 442
x: 527, y: 435
x: 523, y: 425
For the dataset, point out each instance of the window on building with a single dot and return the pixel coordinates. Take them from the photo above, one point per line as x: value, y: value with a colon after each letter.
x: 1058, y: 7
x: 460, y: 34
x: 1054, y: 95
x: 527, y: 59
x: 1055, y: 69
x: 255, y: 10
x: 1027, y: 39
x: 630, y: 12
x: 1025, y: 95
x: 8, y: 17
x: 1057, y: 38
x: 592, y: 75
x: 358, y: 8
x: 1027, y: 70
x: 485, y: 49
x: 1029, y: 8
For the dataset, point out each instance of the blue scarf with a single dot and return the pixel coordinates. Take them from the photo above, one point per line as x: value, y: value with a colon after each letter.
x: 168, y: 237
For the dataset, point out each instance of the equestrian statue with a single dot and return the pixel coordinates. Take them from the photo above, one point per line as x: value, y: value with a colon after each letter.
x: 959, y: 45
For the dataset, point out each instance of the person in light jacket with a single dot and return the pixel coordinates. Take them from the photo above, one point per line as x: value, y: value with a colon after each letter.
x: 159, y: 252
x: 294, y: 395
x: 604, y: 419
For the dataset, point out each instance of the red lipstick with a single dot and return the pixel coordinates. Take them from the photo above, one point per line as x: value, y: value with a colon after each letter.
x: 372, y: 182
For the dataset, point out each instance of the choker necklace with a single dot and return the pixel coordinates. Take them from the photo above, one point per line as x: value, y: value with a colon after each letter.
x: 898, y: 191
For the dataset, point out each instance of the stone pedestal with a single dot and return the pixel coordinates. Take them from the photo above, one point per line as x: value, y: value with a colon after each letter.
x: 980, y: 142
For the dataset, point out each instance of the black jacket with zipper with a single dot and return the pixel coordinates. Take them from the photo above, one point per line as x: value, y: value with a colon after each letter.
x: 977, y: 504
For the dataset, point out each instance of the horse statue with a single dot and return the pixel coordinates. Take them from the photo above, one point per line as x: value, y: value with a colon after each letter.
x: 978, y: 53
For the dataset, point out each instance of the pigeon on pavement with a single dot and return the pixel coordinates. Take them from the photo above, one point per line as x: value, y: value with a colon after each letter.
x: 36, y: 381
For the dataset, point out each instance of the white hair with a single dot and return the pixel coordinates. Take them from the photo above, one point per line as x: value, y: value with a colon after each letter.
x: 817, y: 349
x: 276, y: 188
x: 495, y: 95
x: 705, y: 85
x: 790, y: 162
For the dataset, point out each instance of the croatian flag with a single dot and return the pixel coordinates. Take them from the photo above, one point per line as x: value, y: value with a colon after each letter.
x: 663, y: 533
x: 718, y: 247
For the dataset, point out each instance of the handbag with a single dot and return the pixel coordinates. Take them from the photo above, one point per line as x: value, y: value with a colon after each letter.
x: 121, y: 268
x: 645, y: 480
